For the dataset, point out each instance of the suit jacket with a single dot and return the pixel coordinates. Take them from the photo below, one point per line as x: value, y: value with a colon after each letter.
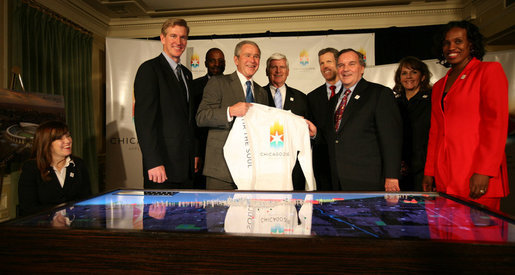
x: 220, y: 93
x: 164, y: 120
x: 469, y: 136
x: 198, y: 87
x: 35, y: 194
x: 295, y: 101
x: 318, y: 112
x: 366, y: 149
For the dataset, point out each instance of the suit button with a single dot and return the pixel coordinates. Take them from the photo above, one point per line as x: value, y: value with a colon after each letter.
x: 336, y: 141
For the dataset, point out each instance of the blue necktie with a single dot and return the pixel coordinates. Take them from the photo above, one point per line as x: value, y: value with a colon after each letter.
x: 278, y: 99
x: 249, y: 98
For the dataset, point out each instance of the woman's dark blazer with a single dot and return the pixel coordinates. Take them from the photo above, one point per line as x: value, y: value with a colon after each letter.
x: 34, y: 194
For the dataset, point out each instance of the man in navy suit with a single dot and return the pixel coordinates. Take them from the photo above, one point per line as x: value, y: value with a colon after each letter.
x: 285, y: 97
x: 363, y: 131
x: 318, y: 101
x: 164, y: 113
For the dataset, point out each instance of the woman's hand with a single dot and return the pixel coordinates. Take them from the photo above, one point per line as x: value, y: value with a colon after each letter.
x: 478, y: 185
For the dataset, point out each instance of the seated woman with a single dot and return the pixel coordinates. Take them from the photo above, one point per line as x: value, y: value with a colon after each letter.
x: 52, y: 176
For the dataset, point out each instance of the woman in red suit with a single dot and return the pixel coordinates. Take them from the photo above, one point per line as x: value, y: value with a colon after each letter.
x: 469, y: 121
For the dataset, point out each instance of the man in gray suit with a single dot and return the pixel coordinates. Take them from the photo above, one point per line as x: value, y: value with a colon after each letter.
x: 226, y: 97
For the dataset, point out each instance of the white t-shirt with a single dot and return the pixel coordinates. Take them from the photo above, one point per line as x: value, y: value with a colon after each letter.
x: 261, y: 149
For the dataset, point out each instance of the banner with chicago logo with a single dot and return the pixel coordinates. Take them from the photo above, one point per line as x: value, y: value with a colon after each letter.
x: 301, y: 52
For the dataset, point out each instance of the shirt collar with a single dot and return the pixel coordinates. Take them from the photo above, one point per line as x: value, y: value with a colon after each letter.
x: 243, y: 79
x: 172, y: 63
x: 67, y: 163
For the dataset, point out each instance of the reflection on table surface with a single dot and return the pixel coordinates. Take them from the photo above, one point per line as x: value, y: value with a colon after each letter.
x: 369, y: 215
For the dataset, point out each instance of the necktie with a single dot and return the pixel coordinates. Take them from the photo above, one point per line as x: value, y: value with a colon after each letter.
x: 339, y: 112
x: 181, y: 81
x: 249, y: 98
x: 278, y: 99
x: 332, y: 88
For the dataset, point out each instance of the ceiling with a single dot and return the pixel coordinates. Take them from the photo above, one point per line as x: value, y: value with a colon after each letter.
x: 163, y: 8
x: 138, y: 18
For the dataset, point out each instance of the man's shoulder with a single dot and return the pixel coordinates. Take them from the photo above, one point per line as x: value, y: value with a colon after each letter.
x: 364, y: 84
x: 318, y: 90
x: 296, y: 92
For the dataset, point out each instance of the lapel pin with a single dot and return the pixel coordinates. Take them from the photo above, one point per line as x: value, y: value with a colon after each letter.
x: 424, y: 96
x: 463, y: 76
x: 292, y: 99
x: 71, y: 174
x: 356, y: 97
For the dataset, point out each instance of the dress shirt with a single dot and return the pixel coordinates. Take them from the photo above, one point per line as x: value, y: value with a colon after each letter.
x: 282, y: 90
x: 61, y: 175
x: 338, y: 85
x: 243, y: 82
x: 174, y: 65
x: 340, y: 95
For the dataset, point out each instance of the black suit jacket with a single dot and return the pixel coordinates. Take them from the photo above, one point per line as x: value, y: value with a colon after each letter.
x: 318, y: 111
x: 297, y: 102
x: 164, y: 120
x: 366, y: 149
x: 35, y: 195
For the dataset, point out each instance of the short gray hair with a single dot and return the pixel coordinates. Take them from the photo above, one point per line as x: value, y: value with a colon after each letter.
x: 276, y: 56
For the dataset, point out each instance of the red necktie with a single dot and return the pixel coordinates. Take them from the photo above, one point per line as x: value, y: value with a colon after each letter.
x: 332, y: 88
x: 339, y: 112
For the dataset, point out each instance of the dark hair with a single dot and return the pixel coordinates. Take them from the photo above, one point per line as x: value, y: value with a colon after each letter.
x: 473, y: 36
x: 172, y: 22
x: 328, y: 50
x: 414, y: 64
x: 212, y: 50
x: 46, y: 133
x: 361, y: 57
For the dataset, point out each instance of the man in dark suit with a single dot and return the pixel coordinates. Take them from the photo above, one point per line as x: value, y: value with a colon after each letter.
x: 226, y: 97
x: 318, y: 101
x: 163, y: 113
x: 284, y: 97
x: 215, y: 64
x: 364, y: 132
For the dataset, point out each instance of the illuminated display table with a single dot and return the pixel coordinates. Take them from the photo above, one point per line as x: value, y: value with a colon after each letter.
x: 280, y: 232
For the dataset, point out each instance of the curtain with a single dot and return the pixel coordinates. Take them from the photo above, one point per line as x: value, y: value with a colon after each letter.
x: 55, y: 58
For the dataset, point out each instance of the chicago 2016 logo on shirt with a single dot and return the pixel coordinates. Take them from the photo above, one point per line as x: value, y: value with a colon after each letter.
x: 276, y: 135
x: 195, y: 60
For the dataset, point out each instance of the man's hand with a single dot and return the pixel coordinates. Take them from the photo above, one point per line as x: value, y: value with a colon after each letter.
x: 391, y: 185
x: 312, y: 128
x: 157, y: 210
x: 478, y: 185
x: 157, y: 174
x: 239, y: 109
x: 428, y: 184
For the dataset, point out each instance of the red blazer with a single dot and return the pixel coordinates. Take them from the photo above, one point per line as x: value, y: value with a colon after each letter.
x: 470, y: 136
